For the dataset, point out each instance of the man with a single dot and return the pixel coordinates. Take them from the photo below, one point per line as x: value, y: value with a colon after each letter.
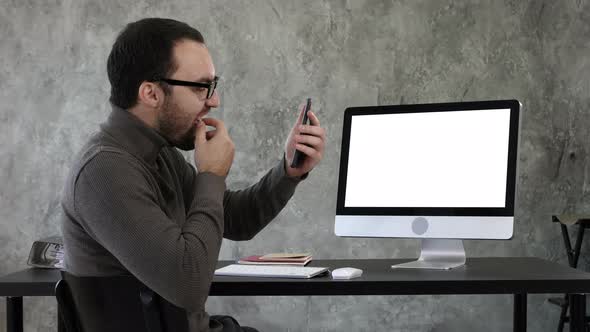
x: 133, y: 205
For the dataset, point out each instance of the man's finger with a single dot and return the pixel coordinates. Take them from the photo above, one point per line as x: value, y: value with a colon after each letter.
x: 210, y: 134
x: 313, y: 119
x: 218, y: 124
x: 308, y: 151
x: 310, y: 140
x: 312, y: 130
x: 200, y: 134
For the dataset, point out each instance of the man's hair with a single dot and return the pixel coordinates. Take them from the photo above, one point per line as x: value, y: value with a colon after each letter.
x: 142, y: 52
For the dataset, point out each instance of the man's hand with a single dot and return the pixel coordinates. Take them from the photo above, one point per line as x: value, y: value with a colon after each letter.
x: 214, y: 150
x: 309, y: 139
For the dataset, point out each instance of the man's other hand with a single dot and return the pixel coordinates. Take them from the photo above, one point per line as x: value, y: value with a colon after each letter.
x: 309, y: 139
x: 214, y: 150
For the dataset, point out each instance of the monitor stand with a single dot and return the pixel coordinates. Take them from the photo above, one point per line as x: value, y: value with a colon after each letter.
x: 439, y: 254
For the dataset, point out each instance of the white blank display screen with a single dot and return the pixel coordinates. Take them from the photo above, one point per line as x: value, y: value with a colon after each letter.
x: 429, y: 159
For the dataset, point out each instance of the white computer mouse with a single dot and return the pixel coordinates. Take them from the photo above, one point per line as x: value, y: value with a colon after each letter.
x: 346, y: 273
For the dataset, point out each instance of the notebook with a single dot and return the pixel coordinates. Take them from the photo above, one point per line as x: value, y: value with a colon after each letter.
x: 275, y: 260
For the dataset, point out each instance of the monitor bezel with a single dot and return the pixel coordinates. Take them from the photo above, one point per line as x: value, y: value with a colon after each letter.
x: 507, y: 210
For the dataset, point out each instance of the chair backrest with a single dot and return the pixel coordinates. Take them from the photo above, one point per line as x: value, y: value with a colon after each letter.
x: 67, y: 310
x: 118, y: 303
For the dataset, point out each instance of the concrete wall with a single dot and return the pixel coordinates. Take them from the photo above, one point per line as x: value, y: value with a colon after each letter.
x: 272, y: 54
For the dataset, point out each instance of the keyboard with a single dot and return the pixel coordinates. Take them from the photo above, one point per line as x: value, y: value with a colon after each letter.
x: 275, y: 271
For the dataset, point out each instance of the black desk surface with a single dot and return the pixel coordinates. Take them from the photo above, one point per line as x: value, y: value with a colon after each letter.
x: 490, y: 275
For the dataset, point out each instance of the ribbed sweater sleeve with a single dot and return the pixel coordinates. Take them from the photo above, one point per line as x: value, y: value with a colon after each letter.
x: 249, y: 210
x: 115, y: 202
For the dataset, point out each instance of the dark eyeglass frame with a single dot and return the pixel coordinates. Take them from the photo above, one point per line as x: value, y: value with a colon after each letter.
x: 210, y: 86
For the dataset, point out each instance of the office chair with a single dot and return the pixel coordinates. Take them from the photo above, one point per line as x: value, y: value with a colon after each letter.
x: 119, y: 303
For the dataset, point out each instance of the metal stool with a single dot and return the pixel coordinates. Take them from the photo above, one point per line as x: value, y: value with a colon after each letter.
x: 573, y: 256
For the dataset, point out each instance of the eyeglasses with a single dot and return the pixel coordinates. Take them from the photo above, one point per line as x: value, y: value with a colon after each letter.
x: 210, y: 86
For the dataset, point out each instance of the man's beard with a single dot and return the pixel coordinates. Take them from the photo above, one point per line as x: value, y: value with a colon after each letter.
x: 187, y: 140
x: 170, y: 122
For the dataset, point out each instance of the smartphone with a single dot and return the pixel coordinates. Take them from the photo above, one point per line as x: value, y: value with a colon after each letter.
x: 298, y: 157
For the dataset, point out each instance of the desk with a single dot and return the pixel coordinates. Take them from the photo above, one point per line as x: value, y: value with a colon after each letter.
x: 573, y: 255
x: 492, y: 275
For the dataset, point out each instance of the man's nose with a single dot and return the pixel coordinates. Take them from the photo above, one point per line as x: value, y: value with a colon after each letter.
x: 214, y: 100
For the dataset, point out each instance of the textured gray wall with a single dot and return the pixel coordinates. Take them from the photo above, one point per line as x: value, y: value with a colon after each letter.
x: 272, y: 54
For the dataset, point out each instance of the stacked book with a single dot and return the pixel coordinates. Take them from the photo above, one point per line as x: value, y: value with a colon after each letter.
x: 300, y: 259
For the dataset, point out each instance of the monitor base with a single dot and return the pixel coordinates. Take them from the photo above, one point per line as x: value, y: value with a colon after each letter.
x: 438, y: 254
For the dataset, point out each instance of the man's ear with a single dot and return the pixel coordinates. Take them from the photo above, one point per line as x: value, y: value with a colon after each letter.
x: 150, y: 94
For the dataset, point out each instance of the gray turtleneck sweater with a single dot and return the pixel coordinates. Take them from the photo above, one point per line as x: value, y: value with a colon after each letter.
x: 133, y: 205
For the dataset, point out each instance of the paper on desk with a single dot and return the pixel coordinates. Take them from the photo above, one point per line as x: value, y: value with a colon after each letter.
x: 285, y: 255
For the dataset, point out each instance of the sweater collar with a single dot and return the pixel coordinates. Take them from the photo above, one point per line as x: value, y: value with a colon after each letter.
x: 134, y: 135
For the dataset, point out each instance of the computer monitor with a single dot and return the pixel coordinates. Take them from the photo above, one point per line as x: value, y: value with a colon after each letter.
x: 438, y: 172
